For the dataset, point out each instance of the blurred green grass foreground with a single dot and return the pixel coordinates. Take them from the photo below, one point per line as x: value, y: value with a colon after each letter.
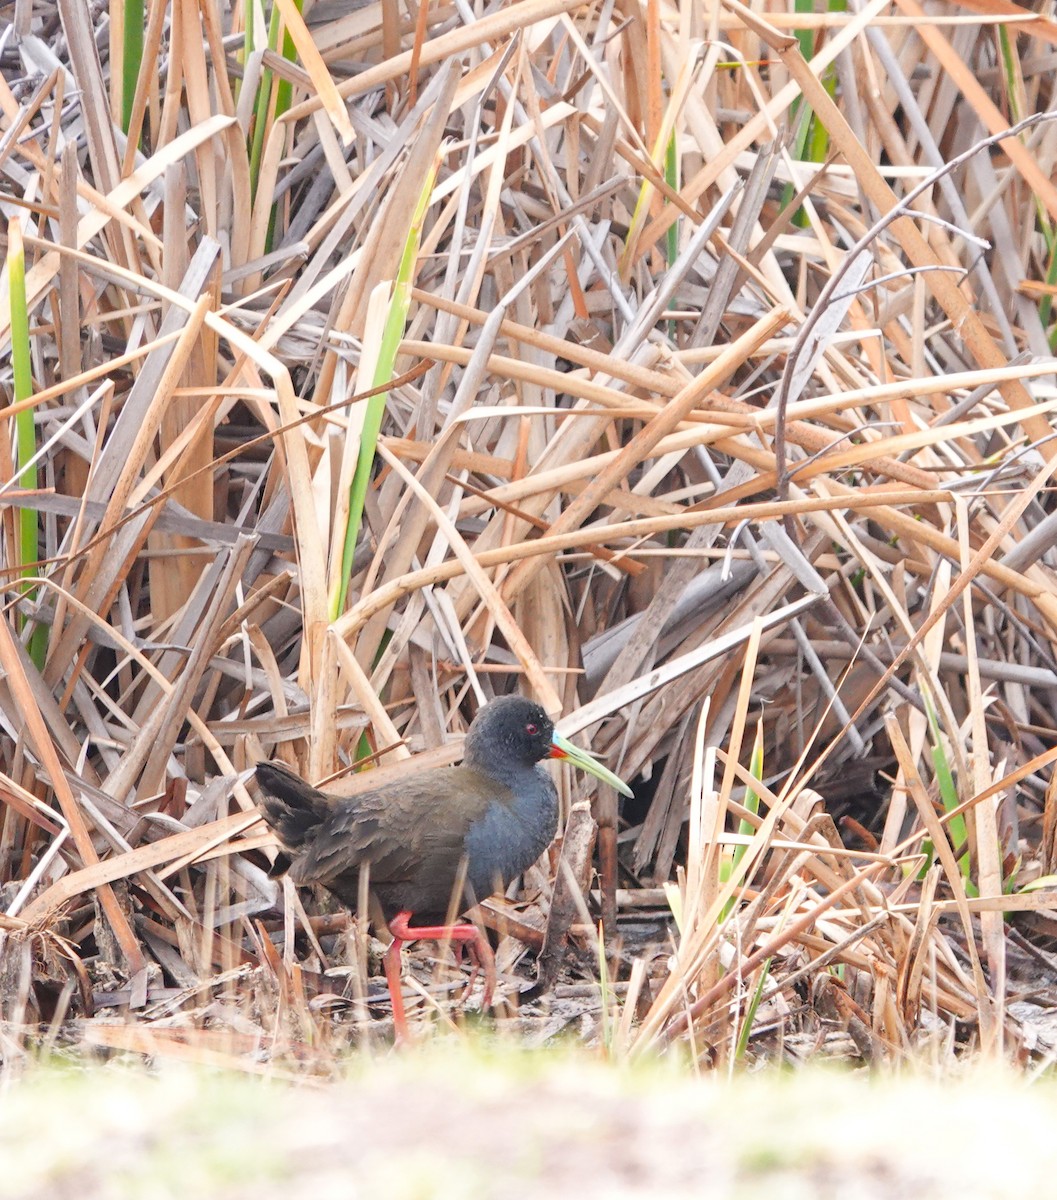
x: 451, y: 1122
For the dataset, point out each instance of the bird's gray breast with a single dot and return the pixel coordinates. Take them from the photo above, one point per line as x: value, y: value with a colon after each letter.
x: 512, y: 834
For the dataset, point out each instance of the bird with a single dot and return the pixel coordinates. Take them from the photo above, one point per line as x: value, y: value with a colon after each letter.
x: 462, y: 832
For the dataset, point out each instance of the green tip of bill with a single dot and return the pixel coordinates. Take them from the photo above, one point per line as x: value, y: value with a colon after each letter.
x: 562, y: 748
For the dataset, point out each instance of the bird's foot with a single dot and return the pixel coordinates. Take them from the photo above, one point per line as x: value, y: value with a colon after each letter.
x: 479, y: 952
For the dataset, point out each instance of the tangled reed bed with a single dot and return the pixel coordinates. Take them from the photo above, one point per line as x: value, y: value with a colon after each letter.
x: 687, y: 368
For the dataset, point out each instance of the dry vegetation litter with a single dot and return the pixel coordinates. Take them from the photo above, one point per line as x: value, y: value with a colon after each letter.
x: 687, y: 367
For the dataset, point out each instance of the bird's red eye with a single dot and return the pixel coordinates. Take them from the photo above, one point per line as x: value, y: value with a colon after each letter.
x: 532, y: 729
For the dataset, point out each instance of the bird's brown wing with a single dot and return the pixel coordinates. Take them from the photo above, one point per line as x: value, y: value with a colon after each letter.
x: 411, y: 827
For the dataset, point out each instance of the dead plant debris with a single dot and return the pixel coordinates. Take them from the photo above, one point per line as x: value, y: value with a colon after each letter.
x: 686, y: 367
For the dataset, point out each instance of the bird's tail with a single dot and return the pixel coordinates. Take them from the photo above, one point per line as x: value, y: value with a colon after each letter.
x: 292, y: 807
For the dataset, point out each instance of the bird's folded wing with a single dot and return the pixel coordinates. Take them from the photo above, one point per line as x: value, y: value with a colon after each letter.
x: 398, y: 830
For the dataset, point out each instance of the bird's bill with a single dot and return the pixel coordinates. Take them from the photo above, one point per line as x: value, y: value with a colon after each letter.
x: 560, y: 748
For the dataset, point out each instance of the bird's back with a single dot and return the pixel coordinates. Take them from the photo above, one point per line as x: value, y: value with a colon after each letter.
x: 419, y: 835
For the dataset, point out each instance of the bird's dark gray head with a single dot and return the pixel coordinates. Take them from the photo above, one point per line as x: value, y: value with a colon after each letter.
x: 509, y: 733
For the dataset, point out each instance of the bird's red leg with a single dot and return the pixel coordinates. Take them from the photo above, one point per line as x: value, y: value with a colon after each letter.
x: 469, y: 935
x: 392, y: 978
